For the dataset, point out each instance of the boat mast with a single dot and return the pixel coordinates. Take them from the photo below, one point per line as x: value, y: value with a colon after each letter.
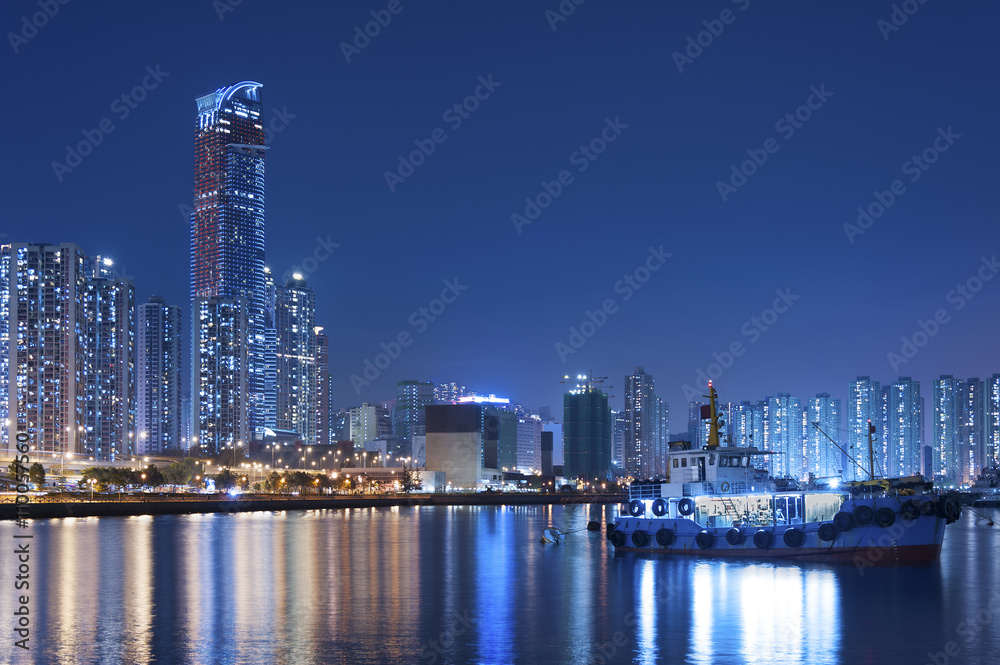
x: 713, y: 423
x: 871, y: 450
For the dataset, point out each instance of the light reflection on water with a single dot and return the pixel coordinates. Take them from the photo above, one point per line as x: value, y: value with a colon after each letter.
x: 473, y: 585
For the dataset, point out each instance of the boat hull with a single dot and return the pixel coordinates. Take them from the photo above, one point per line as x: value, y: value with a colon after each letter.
x: 907, y: 540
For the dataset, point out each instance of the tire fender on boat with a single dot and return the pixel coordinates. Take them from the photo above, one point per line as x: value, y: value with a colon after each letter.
x: 705, y: 539
x: 685, y: 506
x: 659, y: 507
x: 910, y: 510
x: 827, y: 531
x: 617, y: 538
x: 885, y: 517
x: 762, y: 539
x: 664, y: 537
x: 793, y: 537
x: 863, y: 515
x: 636, y: 508
x: 640, y: 538
x: 843, y: 521
x: 734, y: 536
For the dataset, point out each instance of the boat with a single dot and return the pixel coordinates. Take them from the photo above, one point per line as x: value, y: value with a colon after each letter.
x: 716, y: 502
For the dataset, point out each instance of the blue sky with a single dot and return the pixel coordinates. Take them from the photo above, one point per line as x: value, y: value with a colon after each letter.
x: 886, y: 95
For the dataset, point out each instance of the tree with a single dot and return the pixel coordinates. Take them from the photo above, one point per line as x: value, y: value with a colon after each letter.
x: 153, y: 477
x: 300, y: 479
x: 243, y: 483
x: 409, y: 480
x: 323, y: 482
x: 36, y: 474
x: 225, y: 480
x: 256, y: 488
x: 273, y: 482
x: 15, y: 470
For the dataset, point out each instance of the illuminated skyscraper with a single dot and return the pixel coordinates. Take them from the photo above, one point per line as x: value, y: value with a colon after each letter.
x: 822, y: 457
x: 786, y: 435
x: 71, y: 343
x: 323, y: 385
x: 408, y: 416
x: 295, y: 324
x: 864, y: 405
x: 961, y: 428
x: 227, y: 265
x: 159, y: 377
x: 903, y: 427
x: 646, y: 445
x: 992, y: 408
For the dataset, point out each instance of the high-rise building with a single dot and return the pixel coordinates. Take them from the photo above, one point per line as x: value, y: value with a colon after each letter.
x: 960, y: 428
x: 228, y: 288
x: 450, y: 393
x: 974, y: 429
x: 295, y: 390
x: 822, y: 457
x: 992, y: 408
x: 5, y: 273
x: 786, y: 436
x: 864, y: 408
x: 587, y: 434
x: 159, y: 357
x: 695, y: 428
x: 323, y: 386
x: 903, y: 427
x: 619, y: 433
x: 364, y: 424
x: 408, y: 416
x: 529, y: 444
x: 646, y: 446
x: 472, y: 443
x: 70, y: 353
x: 47, y: 351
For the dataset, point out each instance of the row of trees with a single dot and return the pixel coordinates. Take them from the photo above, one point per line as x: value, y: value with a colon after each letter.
x: 36, y: 472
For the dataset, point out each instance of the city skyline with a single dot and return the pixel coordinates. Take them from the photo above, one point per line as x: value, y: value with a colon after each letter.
x: 781, y: 315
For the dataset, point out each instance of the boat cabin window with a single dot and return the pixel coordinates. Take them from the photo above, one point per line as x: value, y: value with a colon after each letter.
x: 684, y: 461
x: 711, y: 459
x: 676, y: 462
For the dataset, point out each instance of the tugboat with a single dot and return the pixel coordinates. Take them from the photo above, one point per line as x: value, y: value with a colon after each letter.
x: 715, y: 502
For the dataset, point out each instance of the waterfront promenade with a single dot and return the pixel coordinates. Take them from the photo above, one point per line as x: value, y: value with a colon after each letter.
x: 42, y: 507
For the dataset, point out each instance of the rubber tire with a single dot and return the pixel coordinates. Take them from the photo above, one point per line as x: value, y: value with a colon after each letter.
x: 885, y: 517
x: 664, y: 537
x: 640, y: 538
x: 734, y: 537
x: 763, y: 539
x: 843, y: 521
x: 685, y: 506
x: 617, y: 538
x: 793, y: 537
x: 636, y: 508
x: 863, y: 515
x: 659, y: 507
x: 827, y: 532
x: 910, y: 510
x: 704, y: 539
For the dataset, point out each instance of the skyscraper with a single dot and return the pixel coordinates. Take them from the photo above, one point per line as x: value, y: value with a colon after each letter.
x: 786, y: 436
x: 70, y: 328
x: 159, y: 377
x: 324, y: 411
x: 903, y: 427
x: 973, y: 428
x: 864, y: 405
x: 961, y: 428
x: 587, y: 434
x: 408, y: 416
x: 992, y: 408
x: 822, y: 457
x: 227, y: 266
x: 529, y: 444
x: 47, y: 388
x: 295, y: 386
x: 646, y: 445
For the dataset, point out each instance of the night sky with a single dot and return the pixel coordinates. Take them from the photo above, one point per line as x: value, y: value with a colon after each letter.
x: 879, y: 96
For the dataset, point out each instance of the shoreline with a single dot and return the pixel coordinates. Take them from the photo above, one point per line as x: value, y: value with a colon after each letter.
x: 155, y: 505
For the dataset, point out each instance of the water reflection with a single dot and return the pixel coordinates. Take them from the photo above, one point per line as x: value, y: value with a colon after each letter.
x: 449, y: 585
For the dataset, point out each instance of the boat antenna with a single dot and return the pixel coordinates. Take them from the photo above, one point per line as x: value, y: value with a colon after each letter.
x: 871, y: 449
x: 713, y: 424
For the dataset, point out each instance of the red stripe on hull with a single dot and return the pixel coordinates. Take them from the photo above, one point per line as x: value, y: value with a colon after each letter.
x: 865, y: 556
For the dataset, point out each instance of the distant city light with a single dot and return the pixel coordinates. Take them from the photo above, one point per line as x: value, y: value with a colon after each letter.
x: 480, y: 399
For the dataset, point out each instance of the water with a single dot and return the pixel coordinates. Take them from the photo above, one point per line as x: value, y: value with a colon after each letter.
x: 442, y: 585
